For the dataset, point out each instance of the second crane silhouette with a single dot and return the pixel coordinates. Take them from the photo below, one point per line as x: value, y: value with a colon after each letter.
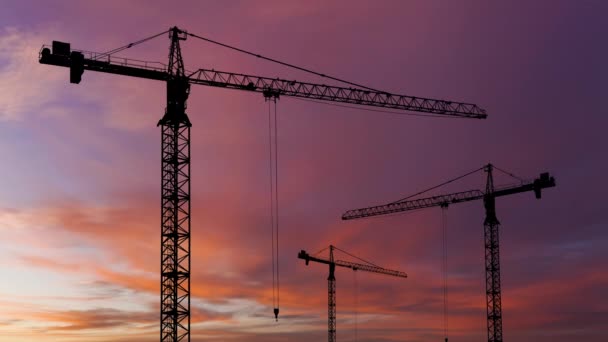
x: 331, y: 280
x: 491, y: 228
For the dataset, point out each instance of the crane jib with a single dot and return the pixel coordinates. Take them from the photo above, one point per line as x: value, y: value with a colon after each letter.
x: 542, y: 182
x: 61, y: 55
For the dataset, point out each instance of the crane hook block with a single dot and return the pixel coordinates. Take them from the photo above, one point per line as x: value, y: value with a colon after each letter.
x: 276, y: 314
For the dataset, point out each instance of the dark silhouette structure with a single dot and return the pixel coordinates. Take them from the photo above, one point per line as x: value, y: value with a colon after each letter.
x: 331, y: 281
x: 491, y: 230
x: 175, y: 140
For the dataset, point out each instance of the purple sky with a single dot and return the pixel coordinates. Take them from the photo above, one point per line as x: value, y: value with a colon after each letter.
x: 79, y: 206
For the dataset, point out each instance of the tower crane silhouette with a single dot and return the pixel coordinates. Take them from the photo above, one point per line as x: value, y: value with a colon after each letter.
x: 175, y: 139
x: 331, y: 281
x: 491, y: 229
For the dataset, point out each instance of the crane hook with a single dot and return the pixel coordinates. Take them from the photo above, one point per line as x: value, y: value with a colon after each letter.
x: 276, y: 314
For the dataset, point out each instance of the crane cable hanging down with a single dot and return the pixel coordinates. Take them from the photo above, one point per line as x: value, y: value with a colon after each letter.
x: 356, y: 305
x: 274, y: 200
x: 444, y: 210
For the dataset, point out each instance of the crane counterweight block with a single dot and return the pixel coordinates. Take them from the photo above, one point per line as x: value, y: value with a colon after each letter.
x: 543, y: 181
x: 305, y: 256
x: 61, y: 48
x: 76, y: 66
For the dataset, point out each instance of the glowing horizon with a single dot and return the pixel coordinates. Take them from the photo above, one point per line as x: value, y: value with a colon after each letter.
x: 79, y: 211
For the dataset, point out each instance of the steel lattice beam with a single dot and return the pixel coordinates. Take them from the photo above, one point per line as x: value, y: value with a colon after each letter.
x: 175, y: 203
x: 331, y: 301
x: 493, y: 291
x: 277, y: 87
x: 175, y: 240
x: 491, y: 227
x: 415, y: 204
x: 175, y: 245
x: 270, y: 86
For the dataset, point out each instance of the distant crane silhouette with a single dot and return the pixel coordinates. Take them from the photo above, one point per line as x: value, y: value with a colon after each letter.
x: 175, y: 139
x: 331, y: 281
x: 491, y: 230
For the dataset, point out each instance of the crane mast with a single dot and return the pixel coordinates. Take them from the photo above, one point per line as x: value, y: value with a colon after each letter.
x: 175, y: 201
x: 175, y: 142
x: 491, y: 231
x: 331, y: 282
x: 491, y: 227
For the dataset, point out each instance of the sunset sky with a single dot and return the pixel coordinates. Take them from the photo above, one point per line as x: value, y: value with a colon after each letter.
x: 80, y: 174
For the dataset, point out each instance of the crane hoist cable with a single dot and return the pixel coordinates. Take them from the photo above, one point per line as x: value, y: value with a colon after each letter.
x: 274, y: 200
x: 271, y: 182
x: 276, y: 196
x: 356, y: 305
x: 444, y: 210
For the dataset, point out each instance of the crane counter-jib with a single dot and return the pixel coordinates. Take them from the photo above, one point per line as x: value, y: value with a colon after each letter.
x: 112, y: 65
